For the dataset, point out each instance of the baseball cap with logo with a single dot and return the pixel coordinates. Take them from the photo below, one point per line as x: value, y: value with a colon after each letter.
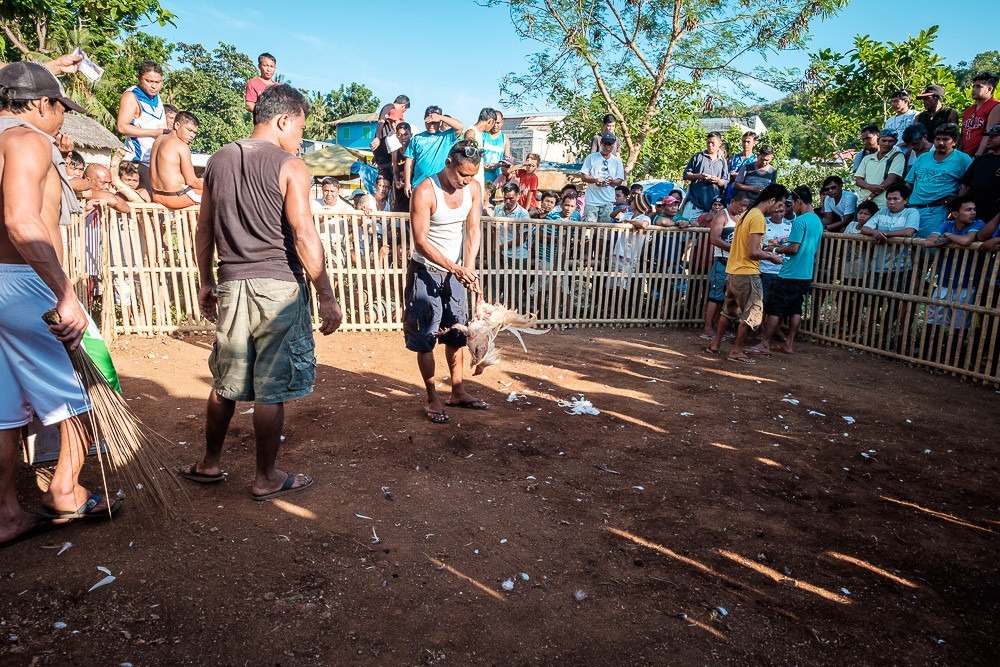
x: 31, y: 81
x: 993, y: 131
x: 608, y: 138
x: 931, y: 90
x: 666, y: 201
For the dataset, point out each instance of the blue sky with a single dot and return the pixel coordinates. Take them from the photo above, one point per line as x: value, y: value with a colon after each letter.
x: 456, y: 56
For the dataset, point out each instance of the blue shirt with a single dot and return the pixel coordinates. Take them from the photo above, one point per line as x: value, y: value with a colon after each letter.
x: 429, y: 152
x: 955, y: 260
x: 807, y: 230
x: 933, y: 180
x: 734, y: 168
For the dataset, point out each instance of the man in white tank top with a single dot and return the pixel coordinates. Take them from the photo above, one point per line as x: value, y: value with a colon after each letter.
x: 444, y: 215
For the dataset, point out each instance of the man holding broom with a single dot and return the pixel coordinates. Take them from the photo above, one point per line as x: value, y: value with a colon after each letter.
x: 36, y: 376
x: 255, y: 213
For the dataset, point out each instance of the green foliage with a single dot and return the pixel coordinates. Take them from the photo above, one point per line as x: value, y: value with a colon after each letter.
x: 988, y: 61
x: 212, y: 86
x: 44, y: 29
x: 674, y: 133
x: 330, y: 107
x: 589, y: 46
x: 843, y: 92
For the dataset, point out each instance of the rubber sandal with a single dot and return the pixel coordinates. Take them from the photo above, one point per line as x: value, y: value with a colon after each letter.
x: 286, y: 488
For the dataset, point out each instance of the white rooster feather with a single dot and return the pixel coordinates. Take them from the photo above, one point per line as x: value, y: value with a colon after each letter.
x: 481, y: 332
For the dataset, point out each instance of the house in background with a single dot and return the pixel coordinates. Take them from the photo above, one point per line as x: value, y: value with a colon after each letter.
x: 90, y: 139
x: 356, y: 131
x: 744, y: 124
x: 529, y: 133
x: 312, y: 145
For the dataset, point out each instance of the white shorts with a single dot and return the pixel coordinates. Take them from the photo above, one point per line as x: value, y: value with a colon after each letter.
x: 36, y: 376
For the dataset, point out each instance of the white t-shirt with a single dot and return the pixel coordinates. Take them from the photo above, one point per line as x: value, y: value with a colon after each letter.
x: 630, y: 241
x: 340, y: 207
x: 900, y: 123
x: 596, y: 165
x: 776, y: 235
x: 892, y: 257
x: 847, y: 205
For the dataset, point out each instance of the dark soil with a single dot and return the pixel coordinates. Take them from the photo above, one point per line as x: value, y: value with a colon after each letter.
x: 699, y: 519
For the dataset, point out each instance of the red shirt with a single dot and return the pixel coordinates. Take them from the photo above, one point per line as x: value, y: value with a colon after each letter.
x: 255, y: 87
x: 974, y: 124
x: 529, y: 185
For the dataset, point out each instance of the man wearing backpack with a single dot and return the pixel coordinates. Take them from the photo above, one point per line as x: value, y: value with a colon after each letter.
x: 881, y: 169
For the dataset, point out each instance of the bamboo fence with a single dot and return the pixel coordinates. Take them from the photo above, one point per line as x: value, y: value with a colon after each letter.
x: 572, y: 274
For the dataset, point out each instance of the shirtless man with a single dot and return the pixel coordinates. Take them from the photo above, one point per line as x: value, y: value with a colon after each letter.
x: 99, y: 177
x: 444, y: 214
x: 36, y: 195
x: 174, y: 182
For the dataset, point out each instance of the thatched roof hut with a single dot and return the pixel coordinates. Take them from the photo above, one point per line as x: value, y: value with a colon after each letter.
x: 93, y: 141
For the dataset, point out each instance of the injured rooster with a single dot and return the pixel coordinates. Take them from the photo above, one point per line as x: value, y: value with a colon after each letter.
x: 481, y: 332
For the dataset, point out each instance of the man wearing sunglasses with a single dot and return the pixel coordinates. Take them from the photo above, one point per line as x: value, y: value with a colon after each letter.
x: 602, y: 172
x: 444, y: 214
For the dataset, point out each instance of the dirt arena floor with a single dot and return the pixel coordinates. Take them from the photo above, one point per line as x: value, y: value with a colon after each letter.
x: 827, y: 509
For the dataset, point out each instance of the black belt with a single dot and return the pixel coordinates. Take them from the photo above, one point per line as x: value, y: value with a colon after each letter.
x: 186, y: 190
x: 937, y: 202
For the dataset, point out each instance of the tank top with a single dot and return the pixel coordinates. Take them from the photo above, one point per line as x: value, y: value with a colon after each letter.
x: 492, y: 152
x: 151, y: 115
x: 252, y: 234
x: 447, y: 228
x: 974, y: 124
x: 728, y: 230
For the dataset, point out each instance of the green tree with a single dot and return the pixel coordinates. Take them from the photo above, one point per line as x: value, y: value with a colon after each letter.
x: 988, y: 61
x: 328, y: 108
x: 601, y: 45
x: 674, y: 133
x: 212, y: 86
x: 844, y: 91
x: 44, y: 29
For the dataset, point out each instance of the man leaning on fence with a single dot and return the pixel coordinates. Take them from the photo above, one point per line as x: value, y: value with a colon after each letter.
x: 255, y: 213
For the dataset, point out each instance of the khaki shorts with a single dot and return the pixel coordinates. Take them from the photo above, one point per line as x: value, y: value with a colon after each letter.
x: 264, y: 348
x: 744, y: 299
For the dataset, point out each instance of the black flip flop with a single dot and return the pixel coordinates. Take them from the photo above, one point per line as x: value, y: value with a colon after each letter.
x: 191, y: 472
x: 472, y: 404
x: 437, y: 417
x: 285, y: 489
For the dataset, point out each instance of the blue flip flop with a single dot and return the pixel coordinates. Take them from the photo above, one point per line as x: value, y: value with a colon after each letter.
x: 85, y: 512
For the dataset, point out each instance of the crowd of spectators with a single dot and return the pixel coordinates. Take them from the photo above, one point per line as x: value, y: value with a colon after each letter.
x: 932, y: 175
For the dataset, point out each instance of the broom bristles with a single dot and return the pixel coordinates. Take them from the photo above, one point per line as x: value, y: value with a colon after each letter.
x: 136, y: 452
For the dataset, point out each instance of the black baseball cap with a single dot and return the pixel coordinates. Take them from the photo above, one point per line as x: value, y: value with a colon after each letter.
x: 31, y: 81
x: 608, y: 138
x: 932, y: 89
x: 993, y: 131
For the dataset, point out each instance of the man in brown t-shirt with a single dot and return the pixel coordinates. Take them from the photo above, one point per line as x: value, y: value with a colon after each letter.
x: 255, y: 214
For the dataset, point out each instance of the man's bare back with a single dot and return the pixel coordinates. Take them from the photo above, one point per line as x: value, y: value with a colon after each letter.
x: 13, y: 141
x: 166, y: 160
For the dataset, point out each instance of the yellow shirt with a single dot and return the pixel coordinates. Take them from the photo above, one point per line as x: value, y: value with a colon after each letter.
x: 740, y: 262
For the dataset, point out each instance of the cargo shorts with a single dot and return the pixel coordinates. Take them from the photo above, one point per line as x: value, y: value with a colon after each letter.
x: 264, y: 349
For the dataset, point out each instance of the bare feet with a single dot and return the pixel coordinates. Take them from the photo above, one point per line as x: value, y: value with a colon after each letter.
x: 71, y: 502
x: 758, y: 351
x: 265, y: 488
x: 18, y: 526
x: 785, y: 348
